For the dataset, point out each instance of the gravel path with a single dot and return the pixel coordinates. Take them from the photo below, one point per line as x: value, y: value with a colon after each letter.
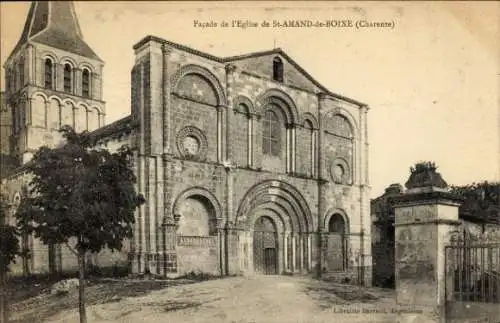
x: 259, y: 299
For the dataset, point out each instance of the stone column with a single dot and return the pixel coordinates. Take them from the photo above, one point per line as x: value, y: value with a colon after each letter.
x: 292, y: 150
x: 219, y: 135
x: 170, y: 242
x: 59, y: 74
x: 96, y: 86
x: 29, y: 112
x: 31, y: 65
x: 309, y: 252
x: 425, y: 217
x: 168, y: 254
x: 288, y: 149
x: 77, y: 81
x: 285, y: 251
x: 321, y: 188
x: 302, y: 252
x: 231, y: 249
x: 229, y: 122
x: 250, y: 140
x: 166, y: 99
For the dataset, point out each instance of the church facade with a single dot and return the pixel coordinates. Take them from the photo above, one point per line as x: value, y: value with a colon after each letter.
x: 248, y: 165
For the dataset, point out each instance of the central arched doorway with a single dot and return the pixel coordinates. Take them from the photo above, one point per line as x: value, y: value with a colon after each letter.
x: 265, y: 246
x: 277, y: 225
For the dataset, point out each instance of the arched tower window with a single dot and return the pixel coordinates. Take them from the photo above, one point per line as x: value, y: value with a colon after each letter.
x: 21, y: 72
x: 9, y: 79
x: 277, y: 69
x: 312, y: 145
x: 67, y: 77
x: 271, y: 134
x: 48, y: 74
x: 86, y: 83
x: 15, y: 78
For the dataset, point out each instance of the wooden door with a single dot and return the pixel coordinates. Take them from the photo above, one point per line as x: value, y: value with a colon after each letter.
x: 335, y: 252
x: 265, y: 246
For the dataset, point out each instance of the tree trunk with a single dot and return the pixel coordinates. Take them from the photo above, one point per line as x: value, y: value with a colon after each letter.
x: 3, y: 295
x: 81, y: 287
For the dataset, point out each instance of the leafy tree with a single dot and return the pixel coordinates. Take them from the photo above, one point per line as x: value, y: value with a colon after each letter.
x: 481, y: 200
x: 82, y: 197
x: 9, y: 249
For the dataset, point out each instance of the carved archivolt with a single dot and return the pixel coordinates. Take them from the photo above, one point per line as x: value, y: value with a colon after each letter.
x: 192, y: 143
x: 339, y: 125
x: 204, y: 73
x: 281, y: 99
x: 340, y: 171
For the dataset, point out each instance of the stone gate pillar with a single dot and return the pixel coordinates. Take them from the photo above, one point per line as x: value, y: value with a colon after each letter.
x: 425, y: 216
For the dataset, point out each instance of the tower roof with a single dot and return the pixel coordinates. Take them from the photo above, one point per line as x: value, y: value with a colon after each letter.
x: 54, y: 23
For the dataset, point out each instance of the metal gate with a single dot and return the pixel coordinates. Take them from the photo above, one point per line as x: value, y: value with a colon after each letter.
x: 472, y: 279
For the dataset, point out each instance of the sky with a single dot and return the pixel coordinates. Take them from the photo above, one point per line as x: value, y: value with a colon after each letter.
x: 432, y: 82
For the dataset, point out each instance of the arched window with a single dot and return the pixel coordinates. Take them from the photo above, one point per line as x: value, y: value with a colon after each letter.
x: 21, y: 72
x: 48, y: 74
x: 277, y: 69
x: 8, y: 80
x: 271, y: 134
x: 243, y: 129
x: 312, y: 145
x: 14, y: 119
x: 15, y: 78
x: 85, y: 83
x: 336, y: 224
x: 67, y: 77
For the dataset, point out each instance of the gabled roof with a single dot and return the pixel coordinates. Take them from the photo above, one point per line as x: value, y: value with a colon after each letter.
x: 276, y: 51
x: 123, y: 125
x: 54, y: 23
x: 11, y: 168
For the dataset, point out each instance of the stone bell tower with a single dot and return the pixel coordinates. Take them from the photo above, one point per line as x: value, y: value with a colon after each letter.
x: 53, y: 78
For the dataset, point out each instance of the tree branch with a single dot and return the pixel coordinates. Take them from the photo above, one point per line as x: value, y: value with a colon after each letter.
x: 71, y: 249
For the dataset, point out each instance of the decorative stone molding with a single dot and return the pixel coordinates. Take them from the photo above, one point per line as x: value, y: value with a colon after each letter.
x: 165, y: 49
x: 424, y: 174
x: 206, y: 74
x: 281, y: 99
x: 230, y: 68
x: 311, y: 118
x: 243, y: 100
x: 177, y: 217
x: 340, y: 172
x: 192, y: 143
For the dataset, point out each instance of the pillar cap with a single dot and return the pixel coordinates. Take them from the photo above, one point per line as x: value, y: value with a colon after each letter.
x: 424, y: 175
x: 427, y: 196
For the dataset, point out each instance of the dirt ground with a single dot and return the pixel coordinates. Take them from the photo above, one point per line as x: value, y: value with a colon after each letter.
x: 258, y: 299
